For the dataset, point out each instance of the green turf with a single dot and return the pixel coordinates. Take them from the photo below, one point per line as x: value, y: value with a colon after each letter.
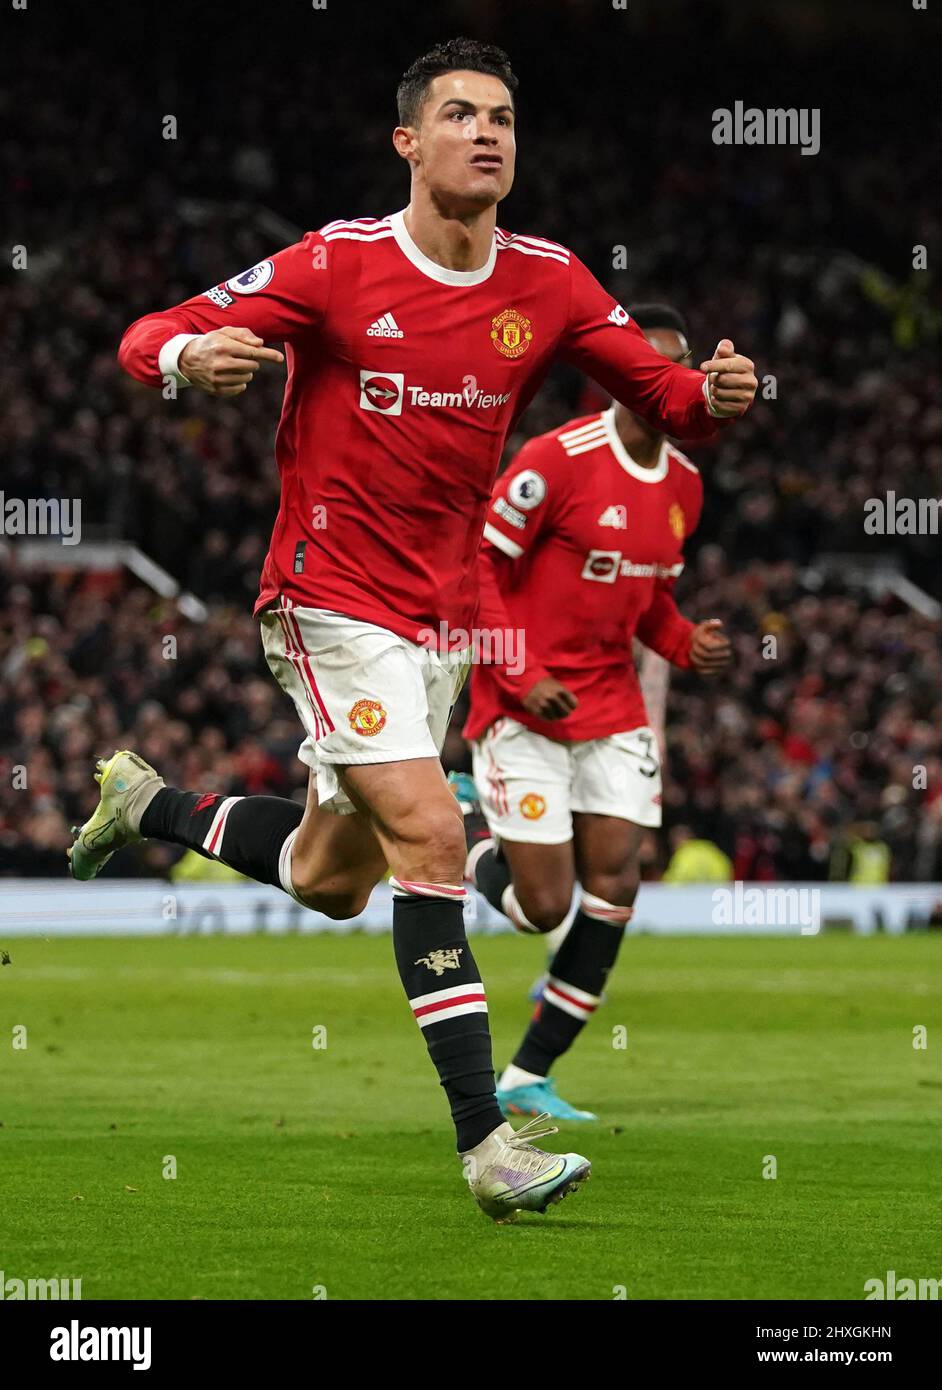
x: 334, y: 1167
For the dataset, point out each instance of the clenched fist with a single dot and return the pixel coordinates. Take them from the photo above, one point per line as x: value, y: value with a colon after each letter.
x: 731, y: 381
x: 710, y: 651
x: 549, y: 699
x: 223, y: 362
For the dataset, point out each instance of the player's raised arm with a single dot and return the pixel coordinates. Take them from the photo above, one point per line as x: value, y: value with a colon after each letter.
x: 603, y: 341
x: 216, y: 340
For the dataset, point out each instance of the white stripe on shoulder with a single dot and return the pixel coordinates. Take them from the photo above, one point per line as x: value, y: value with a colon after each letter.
x: 584, y: 446
x: 539, y: 242
x: 352, y: 223
x: 358, y: 236
x: 569, y: 441
x: 590, y: 427
x: 682, y: 458
x: 532, y: 251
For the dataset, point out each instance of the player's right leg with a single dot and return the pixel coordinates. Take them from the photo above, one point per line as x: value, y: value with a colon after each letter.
x: 417, y: 823
x: 377, y: 707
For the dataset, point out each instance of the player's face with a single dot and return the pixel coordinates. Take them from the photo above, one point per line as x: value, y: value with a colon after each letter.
x: 669, y: 343
x: 465, y: 142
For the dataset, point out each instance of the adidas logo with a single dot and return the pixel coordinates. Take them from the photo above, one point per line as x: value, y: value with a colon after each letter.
x: 385, y: 327
x: 614, y: 516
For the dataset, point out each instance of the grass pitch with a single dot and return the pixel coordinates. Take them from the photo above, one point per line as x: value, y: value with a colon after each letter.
x: 302, y: 1168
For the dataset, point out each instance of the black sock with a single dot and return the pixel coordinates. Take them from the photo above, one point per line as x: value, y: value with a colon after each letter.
x: 576, y: 979
x: 491, y: 877
x: 443, y: 986
x: 246, y: 832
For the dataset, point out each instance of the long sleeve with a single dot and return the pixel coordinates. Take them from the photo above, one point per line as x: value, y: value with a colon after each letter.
x: 278, y: 299
x: 664, y: 629
x: 493, y: 569
x: 603, y: 341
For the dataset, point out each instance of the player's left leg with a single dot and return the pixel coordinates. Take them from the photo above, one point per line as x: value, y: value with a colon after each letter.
x: 340, y: 857
x: 616, y: 796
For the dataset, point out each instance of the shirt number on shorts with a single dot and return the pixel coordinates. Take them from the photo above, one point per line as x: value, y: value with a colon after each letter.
x: 646, y: 754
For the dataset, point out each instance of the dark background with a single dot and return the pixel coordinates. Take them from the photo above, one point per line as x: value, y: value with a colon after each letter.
x: 284, y: 119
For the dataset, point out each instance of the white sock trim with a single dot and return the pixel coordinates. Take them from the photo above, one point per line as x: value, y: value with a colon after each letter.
x: 602, y: 911
x: 516, y: 1076
x: 512, y: 909
x: 406, y: 888
x: 284, y: 866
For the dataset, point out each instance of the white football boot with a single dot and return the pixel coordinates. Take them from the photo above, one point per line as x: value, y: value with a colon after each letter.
x: 507, y: 1174
x: 128, y: 786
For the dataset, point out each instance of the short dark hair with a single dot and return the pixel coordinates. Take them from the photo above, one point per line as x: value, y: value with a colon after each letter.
x: 455, y: 55
x: 657, y: 316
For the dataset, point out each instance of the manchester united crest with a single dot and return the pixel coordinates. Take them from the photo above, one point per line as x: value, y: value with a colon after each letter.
x: 532, y: 806
x: 511, y: 333
x: 367, y: 718
x: 677, y: 520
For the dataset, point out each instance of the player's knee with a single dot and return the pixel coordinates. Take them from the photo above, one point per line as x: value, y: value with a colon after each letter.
x: 338, y: 896
x: 341, y: 907
x: 544, y: 908
x: 619, y: 888
x: 429, y: 846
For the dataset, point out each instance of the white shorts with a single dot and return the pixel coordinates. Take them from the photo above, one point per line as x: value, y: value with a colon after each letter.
x: 363, y: 694
x: 530, y: 785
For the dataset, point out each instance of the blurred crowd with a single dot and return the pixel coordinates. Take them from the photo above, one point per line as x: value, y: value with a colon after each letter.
x: 802, y: 765
x: 818, y: 757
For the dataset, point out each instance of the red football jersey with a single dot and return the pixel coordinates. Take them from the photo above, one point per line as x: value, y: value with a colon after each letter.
x: 403, y: 380
x: 582, y: 547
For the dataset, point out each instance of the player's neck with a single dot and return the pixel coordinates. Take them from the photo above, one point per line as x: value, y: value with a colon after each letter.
x: 645, y: 449
x: 455, y: 243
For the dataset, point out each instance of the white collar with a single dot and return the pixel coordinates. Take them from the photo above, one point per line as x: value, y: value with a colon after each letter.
x: 657, y: 474
x: 432, y: 269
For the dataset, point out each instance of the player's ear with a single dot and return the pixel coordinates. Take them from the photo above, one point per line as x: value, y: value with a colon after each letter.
x: 405, y: 139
